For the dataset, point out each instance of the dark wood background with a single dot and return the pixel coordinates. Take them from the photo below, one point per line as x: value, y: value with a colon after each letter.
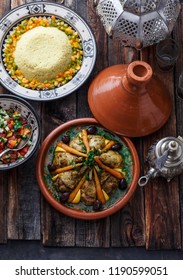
x: 154, y: 216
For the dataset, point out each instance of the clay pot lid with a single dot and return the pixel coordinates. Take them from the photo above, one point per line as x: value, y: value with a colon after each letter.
x: 129, y: 100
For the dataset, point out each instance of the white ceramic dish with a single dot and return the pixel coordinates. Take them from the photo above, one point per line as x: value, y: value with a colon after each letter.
x: 37, y: 9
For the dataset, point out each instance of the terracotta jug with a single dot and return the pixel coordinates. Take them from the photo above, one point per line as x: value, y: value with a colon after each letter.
x: 129, y: 99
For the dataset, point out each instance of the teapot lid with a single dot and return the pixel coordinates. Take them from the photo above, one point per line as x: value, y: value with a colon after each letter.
x: 175, y: 147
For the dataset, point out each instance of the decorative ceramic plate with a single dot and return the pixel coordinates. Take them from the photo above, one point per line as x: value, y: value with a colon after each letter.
x: 18, y: 104
x: 87, y: 169
x: 45, y: 9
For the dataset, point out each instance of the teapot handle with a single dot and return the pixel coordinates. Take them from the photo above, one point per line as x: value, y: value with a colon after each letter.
x: 144, y: 179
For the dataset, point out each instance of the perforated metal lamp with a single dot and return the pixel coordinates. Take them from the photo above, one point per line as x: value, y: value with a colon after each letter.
x: 138, y: 23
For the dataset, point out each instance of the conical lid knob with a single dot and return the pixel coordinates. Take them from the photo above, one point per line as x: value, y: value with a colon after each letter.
x: 129, y: 99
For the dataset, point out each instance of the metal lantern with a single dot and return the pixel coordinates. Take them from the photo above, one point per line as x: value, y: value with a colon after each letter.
x: 138, y: 23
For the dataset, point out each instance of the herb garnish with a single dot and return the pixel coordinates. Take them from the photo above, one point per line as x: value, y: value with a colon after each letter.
x: 90, y: 160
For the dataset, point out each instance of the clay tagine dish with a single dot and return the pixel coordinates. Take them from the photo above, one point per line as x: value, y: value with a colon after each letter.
x: 86, y: 171
x: 129, y: 100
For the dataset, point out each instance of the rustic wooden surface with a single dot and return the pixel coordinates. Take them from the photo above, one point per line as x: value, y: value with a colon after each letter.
x: 153, y: 217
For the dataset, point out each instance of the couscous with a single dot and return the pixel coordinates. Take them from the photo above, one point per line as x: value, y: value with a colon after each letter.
x: 54, y: 66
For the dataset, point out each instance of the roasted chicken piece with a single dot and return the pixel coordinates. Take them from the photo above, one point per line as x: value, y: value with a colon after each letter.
x: 96, y: 141
x: 88, y: 192
x: 77, y: 144
x: 112, y: 159
x: 108, y: 182
x: 62, y: 159
x: 66, y: 181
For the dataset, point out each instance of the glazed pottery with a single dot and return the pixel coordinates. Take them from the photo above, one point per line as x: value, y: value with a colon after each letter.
x: 117, y: 200
x: 129, y: 99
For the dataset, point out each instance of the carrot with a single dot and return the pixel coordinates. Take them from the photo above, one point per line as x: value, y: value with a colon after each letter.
x: 85, y: 140
x: 26, y: 131
x: 12, y: 143
x: 71, y: 150
x: 77, y: 188
x: 66, y: 168
x: 100, y: 194
x: 108, y: 146
x: 108, y: 169
x: 25, y: 81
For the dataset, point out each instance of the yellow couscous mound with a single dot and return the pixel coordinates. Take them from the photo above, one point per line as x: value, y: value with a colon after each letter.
x: 42, y: 53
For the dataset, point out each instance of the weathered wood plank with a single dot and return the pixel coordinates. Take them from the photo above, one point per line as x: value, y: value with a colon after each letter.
x: 23, y: 202
x: 178, y: 36
x: 83, y: 109
x: 3, y: 204
x: 57, y: 229
x: 16, y: 3
x: 162, y: 198
x: 127, y: 226
x: 23, y: 211
x: 4, y: 7
x: 92, y: 233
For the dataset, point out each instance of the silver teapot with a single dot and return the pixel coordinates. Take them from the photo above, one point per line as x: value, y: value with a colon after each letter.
x: 165, y: 158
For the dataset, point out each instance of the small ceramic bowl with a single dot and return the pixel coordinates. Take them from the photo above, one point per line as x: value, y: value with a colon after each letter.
x: 79, y: 210
x: 21, y: 106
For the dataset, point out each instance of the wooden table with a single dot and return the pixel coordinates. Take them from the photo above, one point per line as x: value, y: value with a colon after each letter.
x: 153, y: 218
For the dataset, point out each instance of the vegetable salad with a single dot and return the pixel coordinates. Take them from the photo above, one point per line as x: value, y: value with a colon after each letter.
x: 12, y: 131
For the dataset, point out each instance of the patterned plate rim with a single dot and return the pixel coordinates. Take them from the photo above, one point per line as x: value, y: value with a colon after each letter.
x: 77, y: 22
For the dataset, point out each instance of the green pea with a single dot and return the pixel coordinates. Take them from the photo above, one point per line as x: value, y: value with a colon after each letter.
x: 9, y: 41
x: 15, y: 67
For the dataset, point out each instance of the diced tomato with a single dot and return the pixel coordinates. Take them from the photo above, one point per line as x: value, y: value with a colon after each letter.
x: 20, y: 130
x: 2, y: 145
x: 12, y: 137
x: 2, y: 135
x: 13, y: 155
x: 24, y: 150
x: 23, y: 120
x: 12, y: 143
x: 10, y: 126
